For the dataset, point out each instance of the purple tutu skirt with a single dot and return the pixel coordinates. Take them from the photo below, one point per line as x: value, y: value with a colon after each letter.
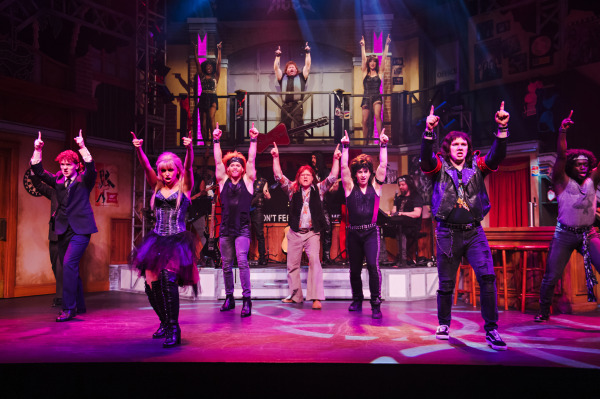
x: 175, y: 252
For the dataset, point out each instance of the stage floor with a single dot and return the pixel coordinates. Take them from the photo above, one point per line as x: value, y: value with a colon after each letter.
x: 117, y: 329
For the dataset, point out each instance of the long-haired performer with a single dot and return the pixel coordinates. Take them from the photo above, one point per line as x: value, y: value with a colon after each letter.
x: 167, y: 255
x: 459, y: 204
x: 362, y: 188
x: 575, y: 184
x: 235, y: 177
x: 208, y: 103
x: 307, y: 221
x: 372, y: 78
x: 73, y: 220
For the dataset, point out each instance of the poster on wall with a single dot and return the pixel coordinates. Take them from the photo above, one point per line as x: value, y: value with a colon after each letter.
x: 106, y: 191
x: 488, y: 60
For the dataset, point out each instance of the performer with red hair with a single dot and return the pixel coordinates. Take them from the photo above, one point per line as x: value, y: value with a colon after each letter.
x: 235, y: 177
x: 307, y: 221
x: 73, y: 220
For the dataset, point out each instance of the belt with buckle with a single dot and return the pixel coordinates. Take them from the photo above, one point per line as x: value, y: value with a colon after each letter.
x: 577, y: 230
x: 362, y: 226
x: 459, y: 226
x: 304, y: 231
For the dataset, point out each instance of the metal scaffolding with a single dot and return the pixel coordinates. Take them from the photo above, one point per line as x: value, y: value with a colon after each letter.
x: 150, y: 107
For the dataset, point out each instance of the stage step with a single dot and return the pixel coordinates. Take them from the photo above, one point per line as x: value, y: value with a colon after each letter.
x: 271, y: 283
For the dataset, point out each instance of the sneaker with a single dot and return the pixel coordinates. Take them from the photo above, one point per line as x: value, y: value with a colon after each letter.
x: 540, y: 317
x: 442, y: 332
x: 493, y: 339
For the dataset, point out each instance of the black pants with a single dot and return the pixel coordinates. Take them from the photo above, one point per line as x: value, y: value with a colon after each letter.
x: 296, y: 119
x: 362, y: 244
x: 412, y: 242
x: 257, y: 218
x: 57, y: 269
x: 72, y: 247
x: 327, y: 234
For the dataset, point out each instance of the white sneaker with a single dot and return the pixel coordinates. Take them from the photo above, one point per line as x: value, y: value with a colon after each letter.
x: 493, y: 339
x: 442, y: 332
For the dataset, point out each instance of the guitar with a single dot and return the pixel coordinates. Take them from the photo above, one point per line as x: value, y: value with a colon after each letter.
x: 201, y: 207
x: 210, y: 251
x: 284, y: 243
x: 280, y: 134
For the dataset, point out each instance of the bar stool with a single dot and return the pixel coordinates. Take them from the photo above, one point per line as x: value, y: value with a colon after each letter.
x: 541, y: 252
x: 471, y: 290
x: 503, y: 268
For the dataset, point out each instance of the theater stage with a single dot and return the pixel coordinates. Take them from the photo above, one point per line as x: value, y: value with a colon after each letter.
x: 111, y: 344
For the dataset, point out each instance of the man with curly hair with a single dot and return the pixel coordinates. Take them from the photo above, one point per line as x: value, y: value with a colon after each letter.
x: 459, y: 204
x: 575, y: 184
x: 362, y: 189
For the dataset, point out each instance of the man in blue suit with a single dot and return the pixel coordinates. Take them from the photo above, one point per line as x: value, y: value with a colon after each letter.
x: 73, y: 220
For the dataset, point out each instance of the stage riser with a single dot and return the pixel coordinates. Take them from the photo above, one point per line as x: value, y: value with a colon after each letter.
x: 271, y: 283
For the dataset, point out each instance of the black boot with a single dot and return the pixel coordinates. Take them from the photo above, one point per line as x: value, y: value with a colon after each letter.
x: 170, y: 290
x: 376, y: 308
x: 356, y: 305
x: 229, y: 303
x: 155, y: 298
x: 246, y: 307
x: 326, y: 258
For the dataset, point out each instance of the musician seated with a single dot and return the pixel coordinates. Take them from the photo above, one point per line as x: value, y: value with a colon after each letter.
x: 406, y: 214
x: 202, y: 196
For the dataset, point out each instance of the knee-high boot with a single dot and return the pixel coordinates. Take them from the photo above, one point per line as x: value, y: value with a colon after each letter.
x: 155, y: 299
x: 170, y: 290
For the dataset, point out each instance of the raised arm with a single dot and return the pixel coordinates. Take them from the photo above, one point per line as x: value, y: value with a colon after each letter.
x: 384, y: 57
x: 363, y: 53
x: 195, y: 57
x: 276, y: 64
x: 335, y: 166
x: 90, y: 174
x: 559, y: 175
x: 277, y: 172
x: 38, y: 145
x: 151, y: 177
x: 382, y: 168
x: 250, y: 175
x: 220, y: 172
x: 498, y: 150
x: 218, y: 68
x: 347, y: 182
x: 429, y: 162
x: 182, y: 82
x: 188, y: 171
x: 307, y: 61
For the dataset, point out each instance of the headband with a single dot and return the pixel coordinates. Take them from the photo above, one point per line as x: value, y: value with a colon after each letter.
x: 235, y: 159
x: 582, y: 158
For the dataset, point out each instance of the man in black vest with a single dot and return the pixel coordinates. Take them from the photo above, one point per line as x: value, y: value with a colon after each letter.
x: 306, y: 221
x: 73, y: 220
x: 290, y: 79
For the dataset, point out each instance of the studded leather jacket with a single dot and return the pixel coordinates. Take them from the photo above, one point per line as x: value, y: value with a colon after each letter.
x: 445, y: 179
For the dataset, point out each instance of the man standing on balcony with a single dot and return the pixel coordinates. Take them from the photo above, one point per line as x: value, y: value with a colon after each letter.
x: 292, y: 80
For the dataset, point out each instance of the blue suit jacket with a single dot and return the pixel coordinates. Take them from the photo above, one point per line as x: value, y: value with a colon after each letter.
x: 74, y: 207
